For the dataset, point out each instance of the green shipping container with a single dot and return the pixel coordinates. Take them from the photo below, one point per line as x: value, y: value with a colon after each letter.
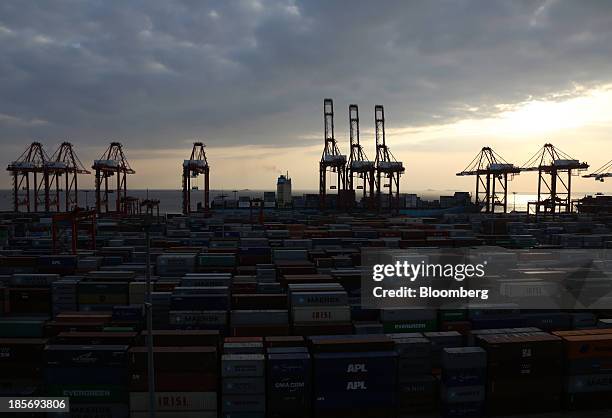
x: 217, y: 260
x: 89, y: 393
x: 410, y: 326
x: 453, y: 315
x: 21, y: 328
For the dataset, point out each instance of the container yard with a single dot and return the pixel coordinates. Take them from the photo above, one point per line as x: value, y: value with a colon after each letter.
x: 305, y: 209
x: 262, y: 318
x: 255, y: 307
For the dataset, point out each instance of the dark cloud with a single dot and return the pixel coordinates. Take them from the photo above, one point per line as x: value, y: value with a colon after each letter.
x: 155, y: 73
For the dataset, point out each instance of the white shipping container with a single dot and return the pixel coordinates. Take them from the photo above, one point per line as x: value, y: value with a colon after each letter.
x: 318, y: 314
x: 175, y: 401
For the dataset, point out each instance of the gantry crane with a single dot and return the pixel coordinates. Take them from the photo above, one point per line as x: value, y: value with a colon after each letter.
x: 602, y: 172
x: 332, y: 160
x: 387, y: 166
x: 151, y: 207
x: 492, y: 174
x: 555, y: 170
x: 196, y: 164
x: 64, y: 162
x: 112, y: 163
x: 75, y: 220
x: 359, y: 167
x: 32, y: 161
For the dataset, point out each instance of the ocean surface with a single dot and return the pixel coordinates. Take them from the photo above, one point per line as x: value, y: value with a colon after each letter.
x: 170, y: 200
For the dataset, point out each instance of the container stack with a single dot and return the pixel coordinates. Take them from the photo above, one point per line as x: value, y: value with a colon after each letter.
x: 195, y: 297
x: 137, y: 292
x: 64, y: 295
x: 22, y: 326
x: 198, y: 319
x: 94, y: 377
x: 254, y: 251
x: 397, y: 320
x: 217, y: 262
x: 249, y: 322
x: 22, y: 365
x: 354, y: 376
x: 161, y: 309
x: 588, y: 380
x: 3, y: 299
x: 417, y: 387
x: 475, y: 335
x: 524, y: 372
x: 604, y: 323
x: 102, y: 295
x: 30, y: 294
x: 243, y: 382
x: 463, y: 383
x: 289, y: 388
x: 77, y: 321
x: 185, y: 381
x: 440, y: 341
x: 265, y: 273
x: 175, y: 265
x: 319, y: 309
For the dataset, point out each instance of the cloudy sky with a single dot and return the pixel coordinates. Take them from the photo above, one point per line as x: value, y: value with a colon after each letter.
x: 249, y: 77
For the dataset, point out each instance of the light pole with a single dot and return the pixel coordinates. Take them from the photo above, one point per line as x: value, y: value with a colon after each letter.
x: 149, y: 316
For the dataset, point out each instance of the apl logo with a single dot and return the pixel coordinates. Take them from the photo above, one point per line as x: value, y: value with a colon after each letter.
x: 360, y: 385
x: 357, y: 368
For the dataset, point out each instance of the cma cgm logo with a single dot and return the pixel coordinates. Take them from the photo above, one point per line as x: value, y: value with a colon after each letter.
x: 356, y: 368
